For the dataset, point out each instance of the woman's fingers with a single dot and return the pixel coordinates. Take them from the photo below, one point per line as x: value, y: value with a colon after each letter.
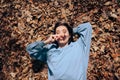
x: 53, y: 38
x: 50, y: 39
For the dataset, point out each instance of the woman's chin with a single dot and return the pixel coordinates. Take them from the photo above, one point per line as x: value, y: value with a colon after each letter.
x: 62, y: 43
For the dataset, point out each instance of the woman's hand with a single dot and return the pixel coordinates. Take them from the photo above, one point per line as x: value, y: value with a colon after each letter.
x: 51, y: 39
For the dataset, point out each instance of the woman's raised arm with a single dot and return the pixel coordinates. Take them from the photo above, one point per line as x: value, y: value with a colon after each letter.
x: 85, y: 32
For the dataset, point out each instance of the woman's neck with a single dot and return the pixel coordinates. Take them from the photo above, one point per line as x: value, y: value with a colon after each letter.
x: 62, y: 45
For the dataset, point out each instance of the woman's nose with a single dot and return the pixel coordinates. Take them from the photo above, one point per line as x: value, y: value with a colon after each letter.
x: 62, y: 35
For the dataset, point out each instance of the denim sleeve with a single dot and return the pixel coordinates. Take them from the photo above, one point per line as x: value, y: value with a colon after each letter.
x: 85, y: 32
x: 37, y: 50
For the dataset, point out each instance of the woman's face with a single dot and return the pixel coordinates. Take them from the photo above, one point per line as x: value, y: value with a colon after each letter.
x: 63, y: 34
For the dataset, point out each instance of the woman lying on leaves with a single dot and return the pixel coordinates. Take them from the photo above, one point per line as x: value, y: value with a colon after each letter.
x: 66, y: 59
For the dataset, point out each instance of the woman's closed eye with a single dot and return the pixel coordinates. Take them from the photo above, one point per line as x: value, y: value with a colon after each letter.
x: 64, y: 31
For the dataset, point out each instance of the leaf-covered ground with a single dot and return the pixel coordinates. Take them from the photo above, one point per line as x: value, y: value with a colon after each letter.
x: 23, y: 21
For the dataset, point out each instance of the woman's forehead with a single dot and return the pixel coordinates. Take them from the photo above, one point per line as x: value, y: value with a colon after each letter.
x: 61, y: 28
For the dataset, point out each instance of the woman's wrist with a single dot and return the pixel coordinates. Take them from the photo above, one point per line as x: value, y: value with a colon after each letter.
x: 46, y: 42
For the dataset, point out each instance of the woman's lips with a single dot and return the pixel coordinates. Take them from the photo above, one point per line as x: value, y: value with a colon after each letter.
x: 62, y: 38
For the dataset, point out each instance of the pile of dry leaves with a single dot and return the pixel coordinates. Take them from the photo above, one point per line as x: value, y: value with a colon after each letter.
x: 22, y: 22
